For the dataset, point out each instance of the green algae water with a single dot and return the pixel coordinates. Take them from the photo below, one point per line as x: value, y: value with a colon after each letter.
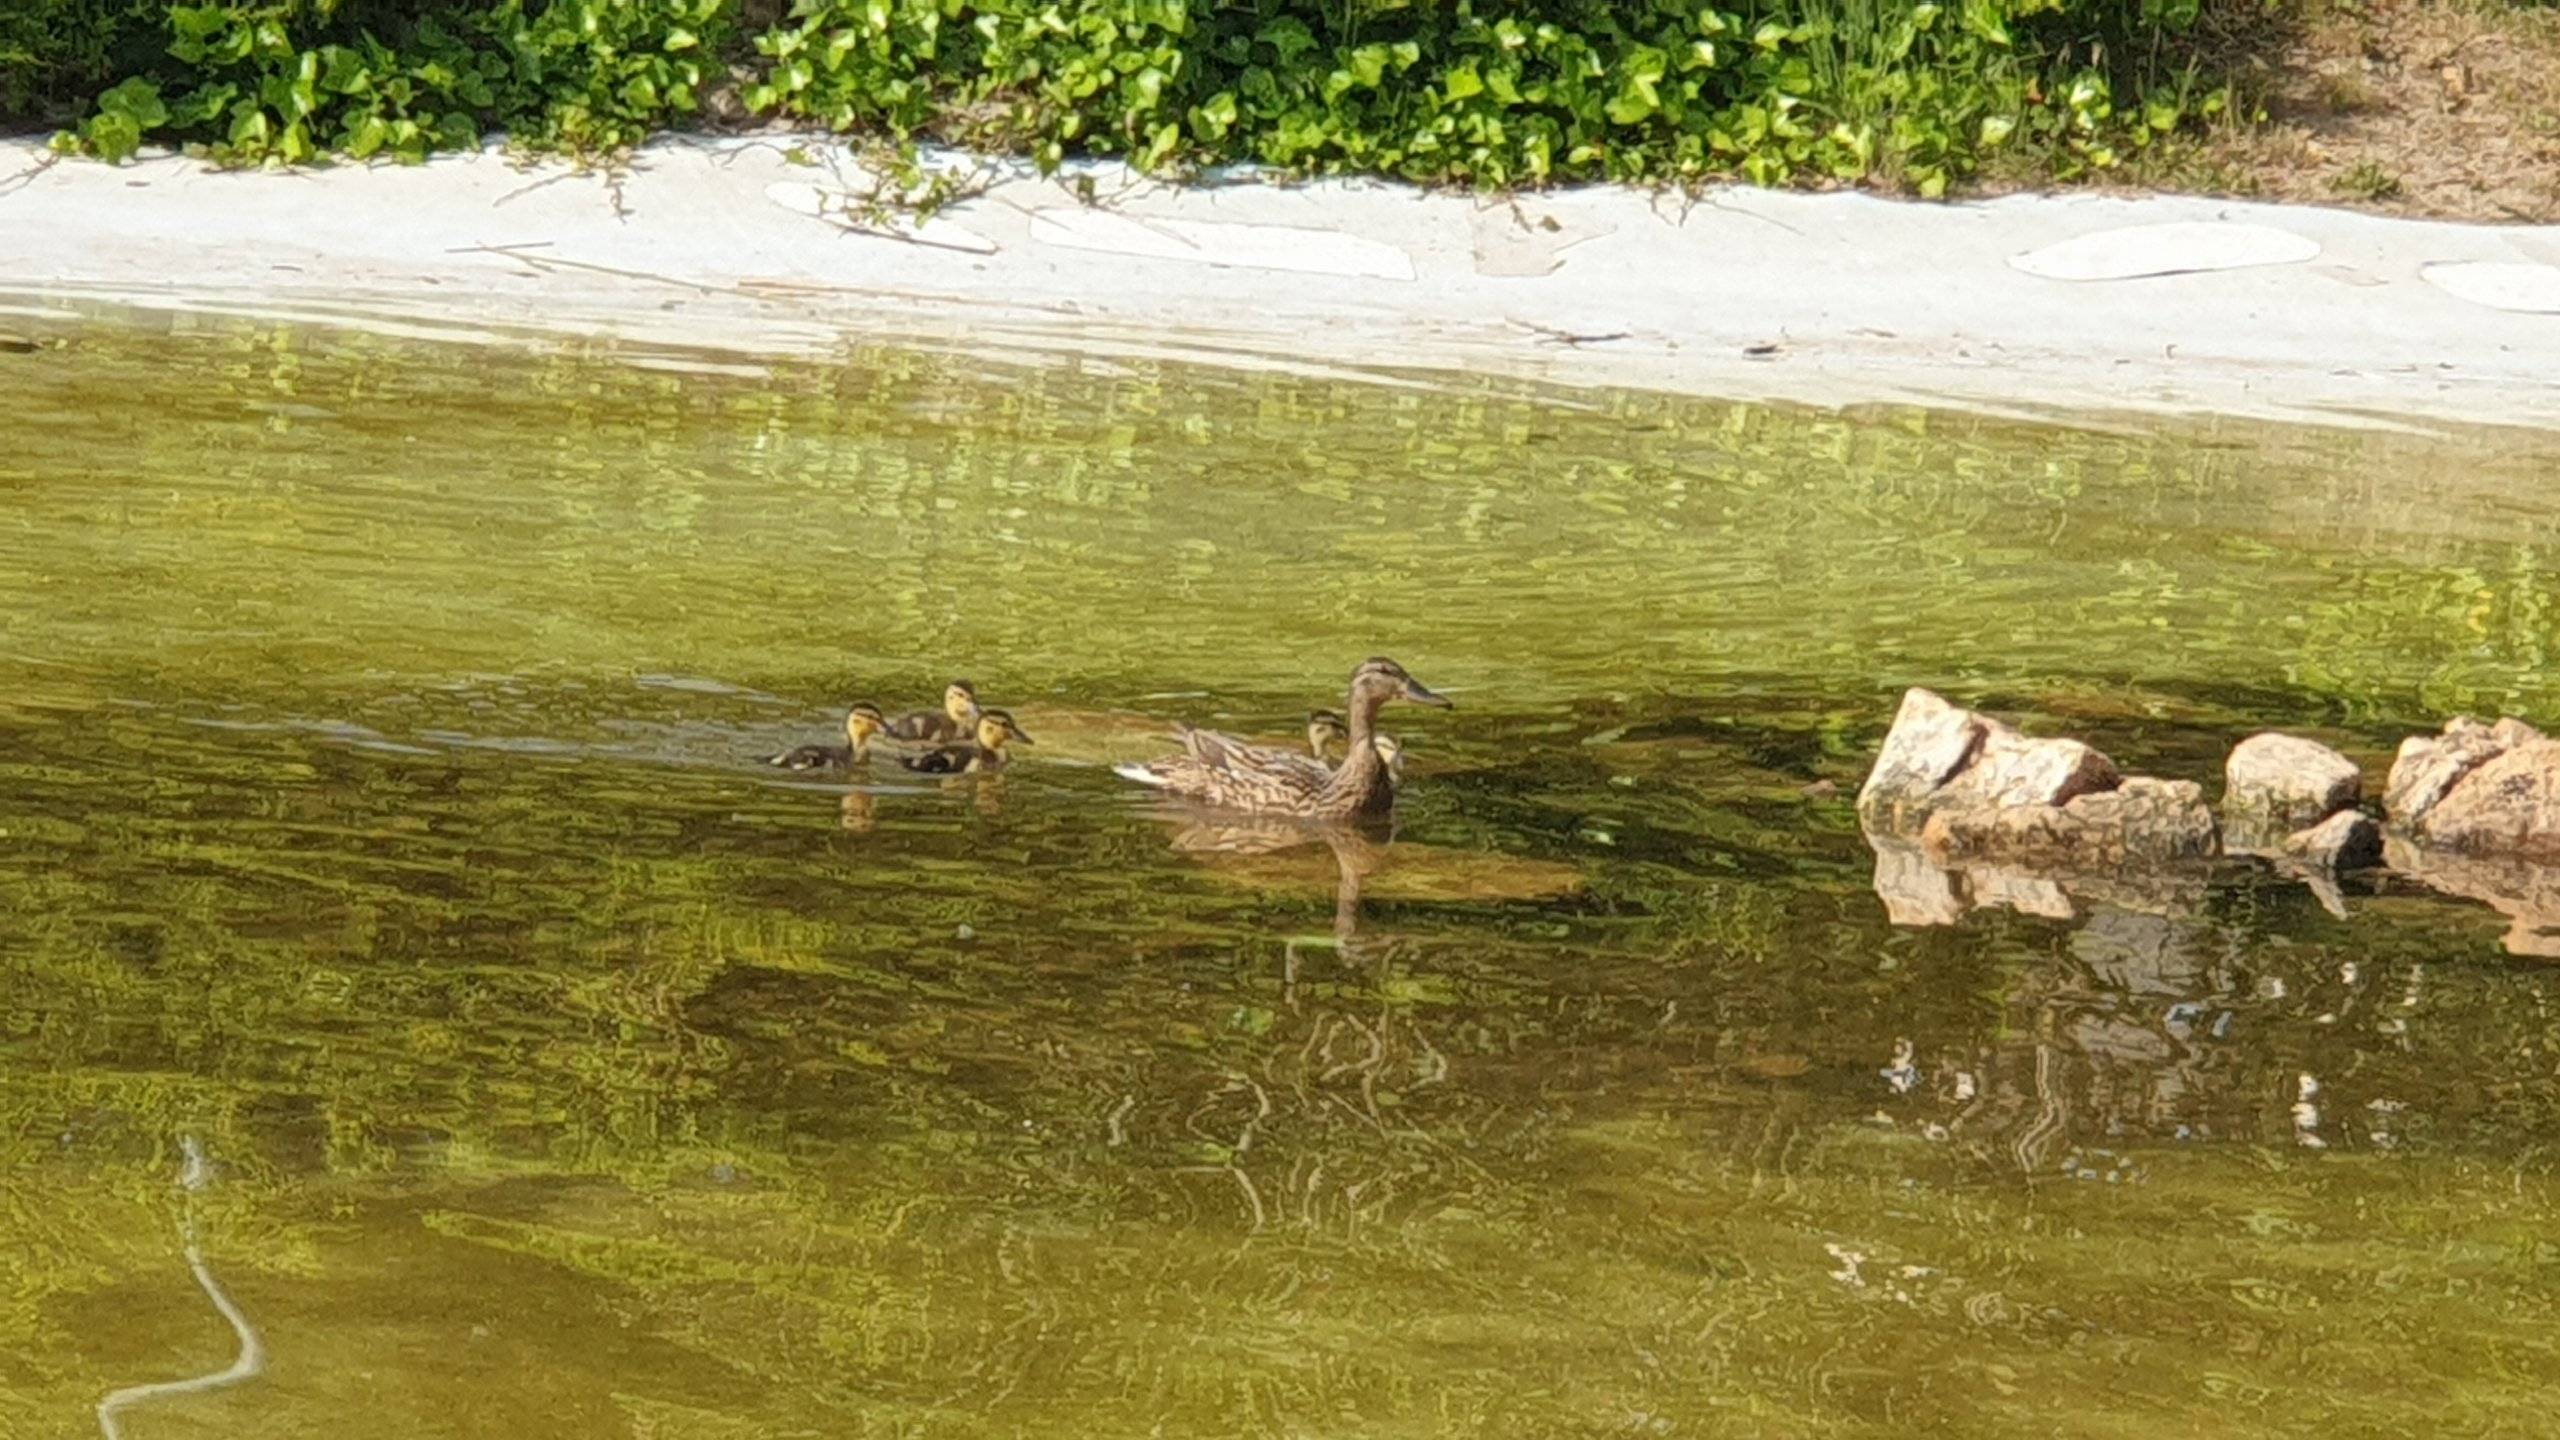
x: 395, y: 922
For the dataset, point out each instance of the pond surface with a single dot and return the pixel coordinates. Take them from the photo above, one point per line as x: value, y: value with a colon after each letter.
x: 397, y: 921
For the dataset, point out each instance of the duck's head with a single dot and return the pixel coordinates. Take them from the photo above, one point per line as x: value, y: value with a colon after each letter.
x: 1391, y: 751
x: 995, y: 728
x: 1379, y: 680
x: 862, y: 722
x: 960, y: 701
x: 1323, y: 728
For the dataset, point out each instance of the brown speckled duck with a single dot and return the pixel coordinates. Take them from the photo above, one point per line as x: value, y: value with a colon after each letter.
x: 862, y: 725
x: 995, y: 729
x: 1221, y: 771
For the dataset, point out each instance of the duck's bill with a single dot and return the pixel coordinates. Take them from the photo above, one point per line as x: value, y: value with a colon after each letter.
x: 1421, y: 694
x: 1021, y: 739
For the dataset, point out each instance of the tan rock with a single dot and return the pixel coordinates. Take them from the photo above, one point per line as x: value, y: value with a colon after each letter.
x: 2509, y: 806
x: 2142, y: 819
x: 2283, y: 783
x: 2429, y: 766
x: 1914, y: 891
x: 1941, y: 757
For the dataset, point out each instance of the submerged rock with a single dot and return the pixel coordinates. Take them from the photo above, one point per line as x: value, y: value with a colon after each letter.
x: 1940, y: 757
x: 2479, y: 789
x: 2276, y: 784
x: 2141, y: 819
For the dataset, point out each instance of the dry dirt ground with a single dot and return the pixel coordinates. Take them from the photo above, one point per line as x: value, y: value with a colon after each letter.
x: 2443, y: 108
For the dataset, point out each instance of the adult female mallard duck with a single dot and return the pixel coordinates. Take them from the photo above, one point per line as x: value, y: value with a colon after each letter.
x: 962, y: 757
x: 956, y: 721
x: 862, y: 725
x: 1218, y: 770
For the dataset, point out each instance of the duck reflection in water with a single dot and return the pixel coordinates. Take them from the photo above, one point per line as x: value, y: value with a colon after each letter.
x: 860, y: 811
x: 1356, y: 850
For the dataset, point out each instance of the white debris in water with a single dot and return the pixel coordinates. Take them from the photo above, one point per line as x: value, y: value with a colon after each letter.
x: 1902, y: 1075
x: 2306, y: 1112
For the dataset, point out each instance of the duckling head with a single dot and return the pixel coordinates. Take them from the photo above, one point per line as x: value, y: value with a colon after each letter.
x: 995, y: 728
x: 960, y: 701
x: 862, y: 722
x: 1323, y: 728
x: 1391, y: 751
x: 1379, y: 680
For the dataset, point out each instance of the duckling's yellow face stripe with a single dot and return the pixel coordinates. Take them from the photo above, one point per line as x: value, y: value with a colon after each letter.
x: 959, y: 704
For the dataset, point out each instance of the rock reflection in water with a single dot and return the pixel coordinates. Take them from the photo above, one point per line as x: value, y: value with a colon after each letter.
x: 1917, y: 890
x: 2135, y: 1031
x: 2527, y: 892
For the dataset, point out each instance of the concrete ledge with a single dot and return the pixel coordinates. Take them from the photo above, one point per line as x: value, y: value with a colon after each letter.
x: 732, y: 246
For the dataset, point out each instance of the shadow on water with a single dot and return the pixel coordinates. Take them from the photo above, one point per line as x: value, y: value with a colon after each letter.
x: 381, y: 806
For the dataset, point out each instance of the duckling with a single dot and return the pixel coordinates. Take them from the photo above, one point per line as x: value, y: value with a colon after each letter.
x: 1391, y: 750
x: 1225, y: 772
x: 1323, y: 728
x: 862, y: 724
x: 986, y: 752
x: 953, y: 723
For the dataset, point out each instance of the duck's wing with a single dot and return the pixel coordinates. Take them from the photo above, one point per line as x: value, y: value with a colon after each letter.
x: 1281, y: 783
x: 1181, y: 774
x: 1221, y: 751
x: 812, y: 757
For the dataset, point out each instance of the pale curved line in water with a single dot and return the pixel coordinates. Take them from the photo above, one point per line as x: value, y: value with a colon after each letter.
x: 251, y: 1362
x: 248, y: 1365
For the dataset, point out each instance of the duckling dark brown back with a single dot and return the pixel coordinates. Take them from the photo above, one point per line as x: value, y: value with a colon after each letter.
x: 862, y: 724
x: 995, y: 729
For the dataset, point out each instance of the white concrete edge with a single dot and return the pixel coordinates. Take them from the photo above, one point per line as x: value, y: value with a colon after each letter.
x: 767, y: 247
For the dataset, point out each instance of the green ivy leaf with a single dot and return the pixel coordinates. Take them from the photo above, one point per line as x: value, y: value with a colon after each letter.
x: 111, y: 137
x: 367, y: 136
x: 136, y: 101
